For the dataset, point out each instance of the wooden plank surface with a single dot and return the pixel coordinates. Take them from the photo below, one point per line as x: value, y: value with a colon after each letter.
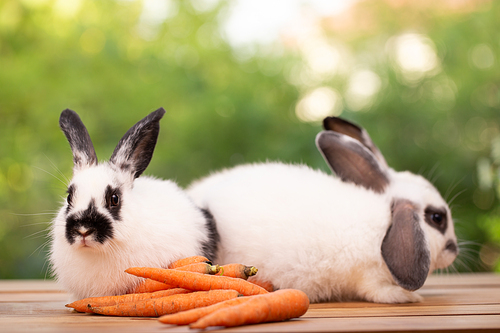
x: 465, y: 302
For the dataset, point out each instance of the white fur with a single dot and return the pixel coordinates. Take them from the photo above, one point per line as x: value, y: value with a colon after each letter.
x: 308, y: 230
x: 158, y: 225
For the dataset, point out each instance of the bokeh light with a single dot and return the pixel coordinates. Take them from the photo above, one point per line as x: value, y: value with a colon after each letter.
x: 482, y: 56
x: 318, y: 104
x: 414, y: 56
x: 363, y: 85
x: 245, y: 81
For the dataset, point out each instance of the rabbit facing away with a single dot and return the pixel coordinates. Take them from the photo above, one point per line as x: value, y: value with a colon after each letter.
x: 371, y: 233
x: 112, y: 219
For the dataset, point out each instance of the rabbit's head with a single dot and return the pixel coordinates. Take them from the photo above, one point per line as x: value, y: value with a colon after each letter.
x: 93, y: 208
x: 421, y: 236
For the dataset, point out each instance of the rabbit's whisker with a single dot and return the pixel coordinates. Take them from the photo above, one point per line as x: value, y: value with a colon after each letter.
x: 57, y: 169
x: 51, y: 174
x: 432, y: 171
x: 455, y: 196
x: 38, y: 234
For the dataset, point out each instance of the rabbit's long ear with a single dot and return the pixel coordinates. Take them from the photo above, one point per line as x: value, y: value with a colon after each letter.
x: 135, y: 150
x: 404, y: 247
x: 342, y: 126
x: 352, y: 161
x: 79, y: 139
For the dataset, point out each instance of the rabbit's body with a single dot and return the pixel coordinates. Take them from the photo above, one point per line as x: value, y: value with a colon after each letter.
x: 370, y: 234
x: 113, y: 220
x: 289, y: 231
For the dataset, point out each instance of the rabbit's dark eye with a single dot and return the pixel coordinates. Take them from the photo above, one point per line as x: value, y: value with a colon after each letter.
x: 68, y: 198
x: 437, y: 218
x: 115, y: 200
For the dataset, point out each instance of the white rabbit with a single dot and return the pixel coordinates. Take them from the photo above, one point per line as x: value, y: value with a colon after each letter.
x: 113, y: 220
x: 369, y: 234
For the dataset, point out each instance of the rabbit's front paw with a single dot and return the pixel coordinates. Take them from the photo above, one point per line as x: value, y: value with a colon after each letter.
x: 393, y: 294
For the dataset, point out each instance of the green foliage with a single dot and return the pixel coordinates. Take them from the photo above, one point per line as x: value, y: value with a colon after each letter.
x: 103, y: 61
x: 490, y: 251
x: 488, y: 170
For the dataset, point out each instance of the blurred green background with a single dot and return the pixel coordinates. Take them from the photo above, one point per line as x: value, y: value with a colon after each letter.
x: 422, y: 77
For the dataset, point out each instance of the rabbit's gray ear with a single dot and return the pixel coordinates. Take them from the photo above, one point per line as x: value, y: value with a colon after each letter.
x: 135, y: 150
x: 404, y: 247
x: 352, y: 161
x: 342, y: 126
x: 79, y: 139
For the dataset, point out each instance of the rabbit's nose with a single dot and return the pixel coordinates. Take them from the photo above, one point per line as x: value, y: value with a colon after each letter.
x: 451, y: 246
x: 84, y: 232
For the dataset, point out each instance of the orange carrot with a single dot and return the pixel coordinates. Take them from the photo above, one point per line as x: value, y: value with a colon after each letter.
x: 82, y: 305
x: 188, y: 261
x: 276, y: 306
x: 190, y: 316
x: 200, y: 267
x: 164, y: 305
x: 238, y: 271
x: 261, y: 283
x: 196, y: 281
x: 149, y: 285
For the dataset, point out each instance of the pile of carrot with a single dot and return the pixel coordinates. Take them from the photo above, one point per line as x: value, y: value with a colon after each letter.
x: 192, y: 291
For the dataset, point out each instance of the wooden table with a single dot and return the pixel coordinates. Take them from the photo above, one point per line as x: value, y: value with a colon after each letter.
x: 466, y: 302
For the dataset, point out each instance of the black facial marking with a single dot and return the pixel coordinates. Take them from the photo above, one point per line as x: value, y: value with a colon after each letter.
x: 436, y: 218
x: 209, y: 247
x: 95, y: 224
x: 69, y: 198
x: 113, y: 197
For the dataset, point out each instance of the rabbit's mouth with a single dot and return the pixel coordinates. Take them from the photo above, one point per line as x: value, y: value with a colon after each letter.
x: 447, y: 255
x: 85, y: 238
x: 84, y: 241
